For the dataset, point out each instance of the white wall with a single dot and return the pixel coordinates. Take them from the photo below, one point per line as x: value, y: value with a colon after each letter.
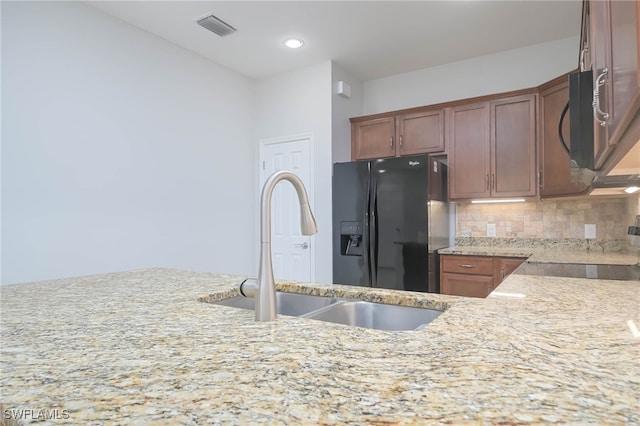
x: 119, y: 150
x: 341, y: 110
x: 299, y: 102
x: 509, y: 70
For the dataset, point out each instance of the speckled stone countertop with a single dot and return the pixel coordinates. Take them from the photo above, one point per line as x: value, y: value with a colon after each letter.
x: 541, y: 255
x: 139, y: 347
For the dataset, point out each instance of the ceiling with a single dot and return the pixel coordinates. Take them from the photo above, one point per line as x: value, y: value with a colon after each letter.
x: 371, y: 39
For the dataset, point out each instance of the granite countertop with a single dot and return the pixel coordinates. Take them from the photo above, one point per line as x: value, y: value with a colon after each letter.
x: 542, y: 255
x: 139, y: 347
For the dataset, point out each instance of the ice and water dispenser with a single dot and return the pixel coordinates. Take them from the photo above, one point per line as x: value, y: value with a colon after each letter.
x: 351, y: 238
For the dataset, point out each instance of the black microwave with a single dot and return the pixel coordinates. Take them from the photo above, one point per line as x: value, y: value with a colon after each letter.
x: 581, y: 125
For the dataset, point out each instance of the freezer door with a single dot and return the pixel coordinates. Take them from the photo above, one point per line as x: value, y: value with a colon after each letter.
x: 351, y: 196
x: 399, y: 240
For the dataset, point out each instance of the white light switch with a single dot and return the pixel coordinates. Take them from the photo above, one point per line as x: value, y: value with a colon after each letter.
x: 491, y: 229
x: 589, y: 230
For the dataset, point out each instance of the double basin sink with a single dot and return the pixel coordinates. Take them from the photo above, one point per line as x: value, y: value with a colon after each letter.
x: 343, y: 311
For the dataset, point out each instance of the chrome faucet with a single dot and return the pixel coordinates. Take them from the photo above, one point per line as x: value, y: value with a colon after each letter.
x: 264, y: 288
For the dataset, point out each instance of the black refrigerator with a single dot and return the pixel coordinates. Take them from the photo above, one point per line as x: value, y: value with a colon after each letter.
x: 390, y: 216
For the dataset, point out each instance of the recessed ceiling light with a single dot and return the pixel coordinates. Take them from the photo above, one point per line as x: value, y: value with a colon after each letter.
x: 293, y: 43
x: 631, y: 189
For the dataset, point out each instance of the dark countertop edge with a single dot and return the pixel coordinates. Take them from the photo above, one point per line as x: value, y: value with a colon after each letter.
x: 540, y: 255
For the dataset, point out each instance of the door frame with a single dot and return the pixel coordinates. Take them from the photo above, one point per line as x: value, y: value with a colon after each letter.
x: 263, y: 142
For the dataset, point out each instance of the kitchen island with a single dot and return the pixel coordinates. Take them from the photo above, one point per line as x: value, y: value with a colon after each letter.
x: 142, y: 347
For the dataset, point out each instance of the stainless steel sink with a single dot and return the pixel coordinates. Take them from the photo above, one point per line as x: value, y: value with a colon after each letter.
x: 350, y: 312
x: 375, y: 315
x: 292, y: 304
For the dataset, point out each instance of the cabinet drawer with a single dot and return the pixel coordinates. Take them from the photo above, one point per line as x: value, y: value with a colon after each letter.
x: 475, y: 265
x: 466, y: 285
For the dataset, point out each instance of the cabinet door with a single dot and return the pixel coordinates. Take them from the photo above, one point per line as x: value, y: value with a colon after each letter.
x: 469, y: 151
x: 625, y: 90
x: 466, y: 285
x: 600, y: 36
x: 513, y: 147
x: 585, y: 39
x: 506, y: 267
x: 555, y: 167
x: 614, y: 34
x: 373, y: 139
x: 421, y: 132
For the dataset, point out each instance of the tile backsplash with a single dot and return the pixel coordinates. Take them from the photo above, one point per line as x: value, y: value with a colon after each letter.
x: 549, y: 219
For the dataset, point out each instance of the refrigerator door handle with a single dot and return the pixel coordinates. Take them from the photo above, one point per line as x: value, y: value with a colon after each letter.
x: 373, y: 235
x: 366, y: 230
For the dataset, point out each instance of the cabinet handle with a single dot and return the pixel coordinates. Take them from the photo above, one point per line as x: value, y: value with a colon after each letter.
x: 539, y: 178
x: 502, y: 274
x: 400, y: 141
x: 487, y: 179
x: 596, y: 99
x: 391, y: 142
x: 466, y: 265
x: 582, y: 53
x: 493, y: 182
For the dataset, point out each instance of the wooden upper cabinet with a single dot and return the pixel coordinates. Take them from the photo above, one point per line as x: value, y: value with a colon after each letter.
x: 513, y: 147
x: 469, y: 151
x: 421, y: 132
x: 555, y: 178
x: 492, y: 149
x: 373, y: 139
x: 600, y: 50
x: 613, y: 43
x: 407, y: 134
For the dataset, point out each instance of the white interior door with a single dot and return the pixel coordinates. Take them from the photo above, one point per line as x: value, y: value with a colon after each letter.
x: 291, y: 251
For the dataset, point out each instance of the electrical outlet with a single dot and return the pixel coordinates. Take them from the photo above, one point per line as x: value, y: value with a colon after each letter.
x: 491, y: 229
x: 589, y: 231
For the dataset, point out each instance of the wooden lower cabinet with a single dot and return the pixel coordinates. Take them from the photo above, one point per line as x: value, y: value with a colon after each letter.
x: 474, y: 276
x: 466, y: 285
x: 506, y: 266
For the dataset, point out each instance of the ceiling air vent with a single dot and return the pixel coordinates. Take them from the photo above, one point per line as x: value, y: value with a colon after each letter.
x: 216, y: 25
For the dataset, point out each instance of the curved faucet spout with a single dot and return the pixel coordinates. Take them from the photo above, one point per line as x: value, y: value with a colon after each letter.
x: 266, y: 295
